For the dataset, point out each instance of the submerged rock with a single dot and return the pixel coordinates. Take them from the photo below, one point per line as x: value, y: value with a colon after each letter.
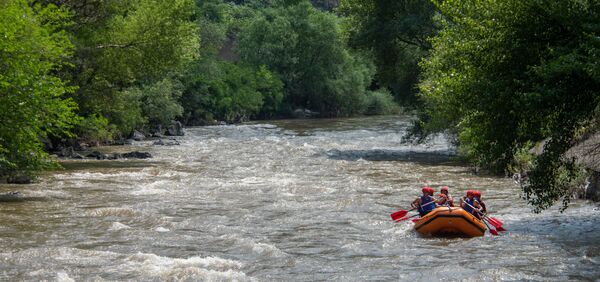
x: 162, y: 142
x: 68, y: 152
x: 97, y: 155
x: 138, y: 136
x: 20, y: 179
x: 122, y: 142
x: 137, y: 155
x: 13, y: 196
x: 592, y: 190
x: 176, y: 129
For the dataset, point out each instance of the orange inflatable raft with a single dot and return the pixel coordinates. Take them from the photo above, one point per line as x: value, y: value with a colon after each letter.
x: 447, y: 221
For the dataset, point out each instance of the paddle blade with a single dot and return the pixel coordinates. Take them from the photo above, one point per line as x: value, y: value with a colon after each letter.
x: 398, y: 215
x: 405, y: 218
x: 494, y: 223
x: 500, y: 228
x: 493, y: 219
x: 494, y: 232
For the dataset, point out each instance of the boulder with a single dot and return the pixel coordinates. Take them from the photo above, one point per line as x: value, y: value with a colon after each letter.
x: 68, y: 152
x: 114, y: 156
x: 162, y: 142
x: 122, y: 142
x: 298, y: 113
x: 137, y: 155
x: 176, y: 129
x: 97, y: 155
x: 13, y: 196
x: 592, y: 190
x: 137, y: 136
x: 20, y: 179
x: 304, y: 113
x: 158, y: 131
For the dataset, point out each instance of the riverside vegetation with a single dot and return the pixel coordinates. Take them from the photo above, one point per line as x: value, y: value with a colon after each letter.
x: 499, y: 76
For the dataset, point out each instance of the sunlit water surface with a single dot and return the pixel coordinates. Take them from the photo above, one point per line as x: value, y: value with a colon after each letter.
x: 300, y: 200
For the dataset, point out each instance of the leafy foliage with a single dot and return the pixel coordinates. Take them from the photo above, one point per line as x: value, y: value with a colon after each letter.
x: 304, y: 47
x: 396, y: 32
x: 127, y: 44
x: 230, y: 92
x: 381, y: 102
x: 503, y: 74
x: 33, y: 48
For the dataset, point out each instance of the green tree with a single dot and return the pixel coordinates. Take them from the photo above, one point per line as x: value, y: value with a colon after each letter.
x: 230, y: 92
x: 304, y: 47
x: 396, y: 33
x: 506, y: 74
x: 33, y: 49
x: 215, y: 85
x: 127, y: 44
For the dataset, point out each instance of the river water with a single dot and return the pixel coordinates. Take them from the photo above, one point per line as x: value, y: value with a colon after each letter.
x: 297, y: 200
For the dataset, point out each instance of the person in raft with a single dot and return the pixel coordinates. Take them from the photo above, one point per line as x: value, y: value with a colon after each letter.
x: 477, y: 197
x: 444, y: 198
x: 425, y: 203
x: 469, y: 204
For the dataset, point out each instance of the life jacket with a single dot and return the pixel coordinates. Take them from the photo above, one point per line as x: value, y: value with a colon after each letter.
x: 468, y: 205
x: 447, y: 202
x: 482, y: 204
x: 427, y: 208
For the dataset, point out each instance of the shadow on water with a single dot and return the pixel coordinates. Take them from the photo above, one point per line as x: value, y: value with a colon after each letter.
x: 92, y: 164
x: 568, y: 229
x: 428, y: 158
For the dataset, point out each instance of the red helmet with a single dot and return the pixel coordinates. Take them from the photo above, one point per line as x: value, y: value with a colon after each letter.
x: 444, y: 188
x: 469, y: 192
x: 477, y: 193
x: 427, y: 189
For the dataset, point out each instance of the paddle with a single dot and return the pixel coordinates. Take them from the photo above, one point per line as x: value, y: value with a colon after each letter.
x: 494, y: 232
x: 402, y: 219
x: 494, y: 222
x: 401, y: 213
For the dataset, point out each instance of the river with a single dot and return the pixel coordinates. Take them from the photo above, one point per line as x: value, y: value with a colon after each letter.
x: 290, y: 200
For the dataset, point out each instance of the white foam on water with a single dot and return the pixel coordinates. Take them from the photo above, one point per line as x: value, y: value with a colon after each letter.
x: 504, y: 274
x: 141, y: 266
x: 120, y: 212
x: 45, y: 193
x: 116, y: 226
x: 267, y: 250
x: 153, y: 188
x: 161, y: 229
x: 62, y: 276
x: 123, y: 175
x: 193, y: 268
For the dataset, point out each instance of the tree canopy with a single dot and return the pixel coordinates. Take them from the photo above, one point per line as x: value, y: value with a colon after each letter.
x: 33, y: 49
x: 396, y: 33
x: 304, y: 47
x: 503, y: 75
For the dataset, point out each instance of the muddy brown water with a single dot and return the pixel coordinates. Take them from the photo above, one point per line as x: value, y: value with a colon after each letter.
x: 292, y: 200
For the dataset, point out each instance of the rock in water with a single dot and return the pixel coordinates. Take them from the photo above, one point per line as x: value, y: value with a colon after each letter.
x: 176, y: 129
x: 13, y: 196
x: 20, y: 179
x: 137, y: 155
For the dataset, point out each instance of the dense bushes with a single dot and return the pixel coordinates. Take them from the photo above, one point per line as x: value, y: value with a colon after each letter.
x: 33, y: 49
x: 305, y: 48
x: 505, y: 74
x: 230, y: 93
x: 102, y: 69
